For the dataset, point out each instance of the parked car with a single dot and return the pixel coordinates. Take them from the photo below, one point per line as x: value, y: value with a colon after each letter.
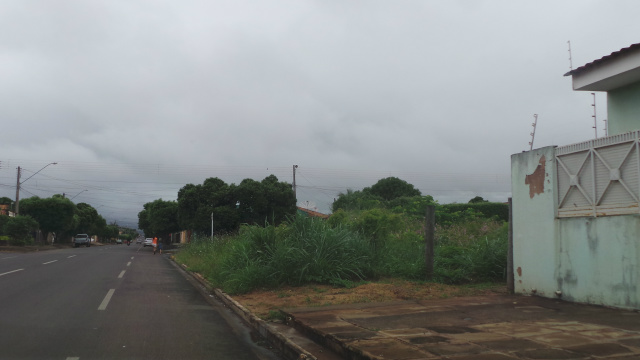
x: 139, y: 241
x: 119, y: 241
x: 81, y: 239
x: 148, y: 242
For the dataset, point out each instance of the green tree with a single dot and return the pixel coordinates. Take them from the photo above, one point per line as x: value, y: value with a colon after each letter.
x: 393, y: 187
x: 477, y: 199
x: 281, y: 202
x: 356, y: 200
x: 250, y: 202
x: 101, y: 229
x: 19, y: 229
x: 54, y: 214
x: 190, y: 200
x: 159, y: 218
x: 3, y: 220
x: 87, y: 219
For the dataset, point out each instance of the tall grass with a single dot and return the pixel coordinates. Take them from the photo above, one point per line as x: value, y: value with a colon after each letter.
x: 307, y: 250
x: 205, y: 255
x: 304, y: 251
x: 475, y: 251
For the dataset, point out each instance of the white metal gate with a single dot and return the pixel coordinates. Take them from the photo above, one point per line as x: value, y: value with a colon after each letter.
x: 600, y: 177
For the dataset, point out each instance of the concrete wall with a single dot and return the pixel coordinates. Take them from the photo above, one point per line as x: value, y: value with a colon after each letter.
x: 587, y: 259
x: 623, y: 107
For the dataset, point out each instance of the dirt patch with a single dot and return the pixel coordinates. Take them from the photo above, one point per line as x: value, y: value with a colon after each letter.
x: 262, y: 302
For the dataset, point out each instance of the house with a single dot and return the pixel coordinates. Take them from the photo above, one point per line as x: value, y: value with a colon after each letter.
x: 576, y: 208
x: 311, y: 213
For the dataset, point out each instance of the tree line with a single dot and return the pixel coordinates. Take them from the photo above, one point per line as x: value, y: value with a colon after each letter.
x: 227, y: 206
x: 57, y: 215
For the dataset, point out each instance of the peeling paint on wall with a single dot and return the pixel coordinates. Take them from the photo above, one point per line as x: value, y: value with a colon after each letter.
x: 536, y: 179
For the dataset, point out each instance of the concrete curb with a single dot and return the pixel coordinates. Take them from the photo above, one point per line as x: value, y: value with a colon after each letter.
x: 286, y: 347
x: 330, y: 341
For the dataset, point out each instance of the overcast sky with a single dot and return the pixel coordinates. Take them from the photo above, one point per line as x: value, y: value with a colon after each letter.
x: 134, y: 99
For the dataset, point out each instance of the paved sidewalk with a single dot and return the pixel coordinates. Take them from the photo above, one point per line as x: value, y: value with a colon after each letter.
x: 493, y: 327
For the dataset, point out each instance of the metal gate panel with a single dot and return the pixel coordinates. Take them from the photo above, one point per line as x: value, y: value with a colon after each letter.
x: 600, y: 177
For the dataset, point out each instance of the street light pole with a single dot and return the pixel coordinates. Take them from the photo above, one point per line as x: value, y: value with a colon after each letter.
x: 17, y: 208
x: 18, y: 183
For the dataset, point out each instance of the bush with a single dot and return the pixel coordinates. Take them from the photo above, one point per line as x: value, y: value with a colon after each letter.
x: 19, y: 230
x: 487, y: 210
x: 306, y: 250
x: 471, y: 253
x: 349, y: 247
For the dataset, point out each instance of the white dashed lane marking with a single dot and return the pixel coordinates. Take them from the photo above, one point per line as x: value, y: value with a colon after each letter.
x: 105, y: 302
x: 12, y: 271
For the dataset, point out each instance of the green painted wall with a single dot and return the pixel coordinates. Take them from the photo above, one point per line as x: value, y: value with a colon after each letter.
x: 623, y: 109
x: 584, y: 259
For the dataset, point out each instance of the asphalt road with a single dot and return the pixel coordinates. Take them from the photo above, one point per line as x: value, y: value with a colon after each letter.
x: 112, y: 302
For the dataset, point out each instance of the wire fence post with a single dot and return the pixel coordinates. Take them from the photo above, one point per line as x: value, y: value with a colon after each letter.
x: 510, y: 279
x: 429, y: 237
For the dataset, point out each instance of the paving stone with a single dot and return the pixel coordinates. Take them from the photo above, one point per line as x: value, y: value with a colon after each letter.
x: 631, y: 342
x: 408, y: 332
x: 454, y: 349
x: 428, y: 339
x: 532, y: 309
x: 351, y: 335
x: 604, y: 349
x: 573, y: 326
x: 516, y: 329
x: 561, y: 339
x: 550, y: 354
x: 391, y: 349
x: 511, y: 345
x: 609, y: 334
x: 479, y: 336
x: 452, y: 329
x: 488, y: 356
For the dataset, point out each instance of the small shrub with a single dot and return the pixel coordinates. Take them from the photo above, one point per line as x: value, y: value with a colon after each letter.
x: 19, y: 230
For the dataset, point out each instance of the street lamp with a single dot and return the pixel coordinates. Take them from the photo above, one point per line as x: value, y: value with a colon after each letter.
x: 78, y: 194
x: 18, y: 183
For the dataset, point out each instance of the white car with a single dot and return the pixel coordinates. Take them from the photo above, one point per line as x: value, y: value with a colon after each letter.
x: 147, y: 242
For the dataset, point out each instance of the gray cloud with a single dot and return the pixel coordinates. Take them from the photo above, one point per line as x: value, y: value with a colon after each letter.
x: 135, y: 99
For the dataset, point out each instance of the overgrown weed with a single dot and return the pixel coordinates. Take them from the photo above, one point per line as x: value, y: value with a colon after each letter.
x: 349, y: 250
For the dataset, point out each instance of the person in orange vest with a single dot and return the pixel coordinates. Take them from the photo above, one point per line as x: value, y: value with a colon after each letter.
x: 155, y: 245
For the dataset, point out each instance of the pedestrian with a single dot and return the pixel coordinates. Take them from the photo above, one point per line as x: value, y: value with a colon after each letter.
x: 160, y: 246
x: 155, y: 245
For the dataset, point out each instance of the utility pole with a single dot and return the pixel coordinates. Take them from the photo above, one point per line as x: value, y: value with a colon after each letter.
x: 18, y: 183
x: 595, y: 123
x: 533, y: 134
x: 17, y: 209
x: 570, y: 62
x: 294, y: 183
